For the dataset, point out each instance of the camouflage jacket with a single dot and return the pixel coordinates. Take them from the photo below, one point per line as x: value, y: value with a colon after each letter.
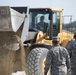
x: 58, y: 61
x: 72, y: 52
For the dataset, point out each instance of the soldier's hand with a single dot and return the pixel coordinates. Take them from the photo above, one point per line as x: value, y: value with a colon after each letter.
x: 45, y: 74
x: 69, y: 72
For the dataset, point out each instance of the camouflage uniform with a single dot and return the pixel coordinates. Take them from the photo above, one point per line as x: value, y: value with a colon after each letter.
x: 58, y: 61
x: 72, y: 51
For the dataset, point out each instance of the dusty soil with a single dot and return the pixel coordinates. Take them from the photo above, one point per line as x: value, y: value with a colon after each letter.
x: 10, y: 60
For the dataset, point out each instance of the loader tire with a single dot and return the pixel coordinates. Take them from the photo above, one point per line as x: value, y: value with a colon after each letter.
x: 36, y: 61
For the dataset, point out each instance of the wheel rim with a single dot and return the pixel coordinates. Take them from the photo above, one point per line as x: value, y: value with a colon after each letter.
x: 43, y: 66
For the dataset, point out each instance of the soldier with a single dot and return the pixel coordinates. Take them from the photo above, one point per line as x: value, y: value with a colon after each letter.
x: 57, y: 60
x: 42, y: 25
x: 72, y: 52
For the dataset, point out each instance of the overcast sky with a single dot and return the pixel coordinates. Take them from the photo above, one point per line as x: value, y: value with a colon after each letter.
x: 67, y: 5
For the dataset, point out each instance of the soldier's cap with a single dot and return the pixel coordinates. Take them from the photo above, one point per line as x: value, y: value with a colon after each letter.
x: 55, y: 38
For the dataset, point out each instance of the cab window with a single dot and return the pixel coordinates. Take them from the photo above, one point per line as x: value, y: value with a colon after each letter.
x: 56, y: 23
x: 39, y: 20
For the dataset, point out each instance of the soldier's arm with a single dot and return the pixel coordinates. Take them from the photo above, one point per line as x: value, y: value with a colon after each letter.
x: 48, y: 62
x: 69, y: 47
x: 68, y: 64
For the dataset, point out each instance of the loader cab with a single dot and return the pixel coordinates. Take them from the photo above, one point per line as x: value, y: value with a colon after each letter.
x: 51, y: 18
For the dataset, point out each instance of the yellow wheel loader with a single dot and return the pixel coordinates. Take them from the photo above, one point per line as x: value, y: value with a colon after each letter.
x: 42, y: 38
x: 23, y: 44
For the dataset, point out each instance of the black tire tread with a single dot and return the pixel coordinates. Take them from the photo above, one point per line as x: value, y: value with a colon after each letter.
x: 33, y: 61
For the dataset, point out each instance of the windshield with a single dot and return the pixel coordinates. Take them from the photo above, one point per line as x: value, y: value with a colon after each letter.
x: 39, y: 20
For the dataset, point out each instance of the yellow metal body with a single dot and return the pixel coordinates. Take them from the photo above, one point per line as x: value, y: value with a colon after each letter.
x: 65, y: 37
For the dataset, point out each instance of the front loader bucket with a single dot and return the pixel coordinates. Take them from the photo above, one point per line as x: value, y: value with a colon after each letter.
x: 12, y: 52
x: 10, y: 19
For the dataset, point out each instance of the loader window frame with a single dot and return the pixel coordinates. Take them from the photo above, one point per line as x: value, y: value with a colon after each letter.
x: 34, y: 19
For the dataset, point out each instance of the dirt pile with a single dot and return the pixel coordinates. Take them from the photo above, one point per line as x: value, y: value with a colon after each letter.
x: 10, y: 60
